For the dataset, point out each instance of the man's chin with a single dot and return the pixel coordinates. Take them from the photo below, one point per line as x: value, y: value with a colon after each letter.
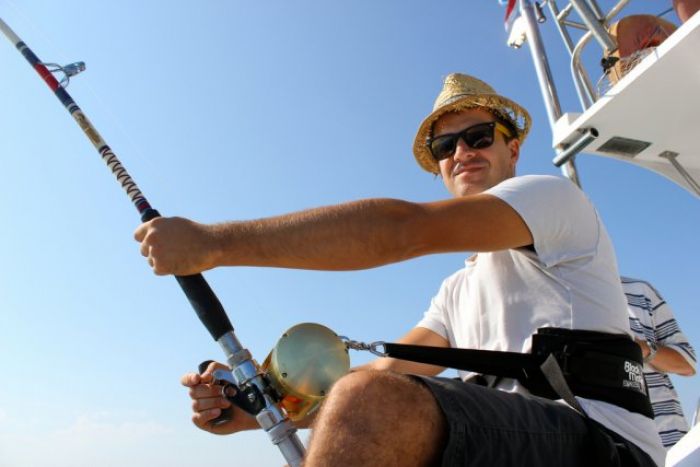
x: 472, y: 188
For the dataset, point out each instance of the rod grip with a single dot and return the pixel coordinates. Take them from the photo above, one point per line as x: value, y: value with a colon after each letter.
x: 205, y: 304
x: 202, y: 298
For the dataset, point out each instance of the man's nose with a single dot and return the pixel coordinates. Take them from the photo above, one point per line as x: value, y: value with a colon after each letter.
x: 463, y: 151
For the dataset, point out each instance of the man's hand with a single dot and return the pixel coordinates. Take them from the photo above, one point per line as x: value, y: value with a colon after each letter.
x: 208, y: 403
x: 174, y: 245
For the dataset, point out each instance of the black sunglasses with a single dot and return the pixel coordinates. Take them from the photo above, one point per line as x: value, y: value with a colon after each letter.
x: 478, y: 136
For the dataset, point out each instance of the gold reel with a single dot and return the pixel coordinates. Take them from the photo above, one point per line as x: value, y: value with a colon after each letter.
x: 303, y: 366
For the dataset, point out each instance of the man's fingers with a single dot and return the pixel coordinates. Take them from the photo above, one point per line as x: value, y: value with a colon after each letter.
x: 203, y: 419
x: 140, y: 235
x: 145, y: 250
x: 210, y: 403
x: 213, y: 366
x: 202, y: 391
x: 191, y: 379
x: 140, y: 232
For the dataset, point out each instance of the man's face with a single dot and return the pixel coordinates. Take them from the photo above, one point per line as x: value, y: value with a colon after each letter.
x: 470, y: 171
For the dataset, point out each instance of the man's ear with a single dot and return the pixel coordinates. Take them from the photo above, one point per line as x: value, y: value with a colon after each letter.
x: 514, y: 147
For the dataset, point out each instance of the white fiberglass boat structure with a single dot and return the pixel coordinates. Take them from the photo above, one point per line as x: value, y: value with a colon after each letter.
x: 646, y: 117
x: 633, y: 121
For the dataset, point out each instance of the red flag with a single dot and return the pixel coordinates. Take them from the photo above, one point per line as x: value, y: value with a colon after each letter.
x: 509, y: 11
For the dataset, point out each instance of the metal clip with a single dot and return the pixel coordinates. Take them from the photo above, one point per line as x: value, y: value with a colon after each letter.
x: 371, y: 348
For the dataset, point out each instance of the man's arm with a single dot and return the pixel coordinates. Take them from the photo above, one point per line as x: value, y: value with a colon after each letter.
x: 667, y: 360
x: 647, y: 308
x: 416, y: 336
x: 349, y: 236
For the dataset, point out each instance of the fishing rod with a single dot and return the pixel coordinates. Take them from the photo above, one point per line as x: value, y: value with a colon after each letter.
x: 255, y: 390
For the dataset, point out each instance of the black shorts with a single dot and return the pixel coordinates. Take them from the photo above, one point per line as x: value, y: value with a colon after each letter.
x: 488, y: 427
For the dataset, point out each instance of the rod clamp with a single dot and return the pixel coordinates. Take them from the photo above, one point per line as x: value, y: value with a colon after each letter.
x: 66, y: 71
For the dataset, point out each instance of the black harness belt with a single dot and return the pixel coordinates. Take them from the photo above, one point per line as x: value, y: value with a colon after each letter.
x: 562, y: 363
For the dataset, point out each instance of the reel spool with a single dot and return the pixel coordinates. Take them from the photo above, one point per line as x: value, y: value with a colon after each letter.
x: 303, y: 366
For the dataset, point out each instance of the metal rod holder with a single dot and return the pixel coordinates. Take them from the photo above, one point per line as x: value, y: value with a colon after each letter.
x: 574, y: 148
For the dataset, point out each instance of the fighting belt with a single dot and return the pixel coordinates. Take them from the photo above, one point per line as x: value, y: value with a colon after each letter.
x: 562, y: 363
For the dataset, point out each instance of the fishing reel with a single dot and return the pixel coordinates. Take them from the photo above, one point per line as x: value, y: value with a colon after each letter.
x: 306, y: 361
x: 299, y: 372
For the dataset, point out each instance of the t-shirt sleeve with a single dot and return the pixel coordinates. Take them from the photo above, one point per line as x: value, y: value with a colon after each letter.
x: 667, y: 331
x: 563, y: 222
x: 435, y: 318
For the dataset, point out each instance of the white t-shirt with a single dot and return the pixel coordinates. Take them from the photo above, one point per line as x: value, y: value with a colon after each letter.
x: 571, y: 281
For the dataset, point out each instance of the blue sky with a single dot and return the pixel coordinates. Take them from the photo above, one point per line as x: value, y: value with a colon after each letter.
x: 239, y: 110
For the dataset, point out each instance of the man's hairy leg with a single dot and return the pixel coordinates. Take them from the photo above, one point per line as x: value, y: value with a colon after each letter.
x: 377, y: 418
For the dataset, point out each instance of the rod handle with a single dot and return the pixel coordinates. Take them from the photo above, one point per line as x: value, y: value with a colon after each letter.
x: 202, y: 298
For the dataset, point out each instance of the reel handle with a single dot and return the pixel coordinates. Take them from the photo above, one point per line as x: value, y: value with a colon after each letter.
x: 226, y: 414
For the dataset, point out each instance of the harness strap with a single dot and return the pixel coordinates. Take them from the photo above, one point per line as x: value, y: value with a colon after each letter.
x: 552, y: 373
x: 605, y: 452
x: 487, y: 362
x: 563, y: 363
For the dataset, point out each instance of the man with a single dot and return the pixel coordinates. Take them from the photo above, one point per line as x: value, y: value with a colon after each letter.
x: 543, y: 260
x: 685, y: 9
x: 666, y: 350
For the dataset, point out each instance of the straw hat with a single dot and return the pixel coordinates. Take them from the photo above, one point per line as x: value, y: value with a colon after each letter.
x: 460, y: 92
